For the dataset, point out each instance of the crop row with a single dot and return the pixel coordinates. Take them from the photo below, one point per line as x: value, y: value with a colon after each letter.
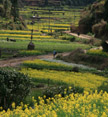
x: 87, y: 81
x: 41, y: 64
x: 98, y: 53
x: 85, y: 105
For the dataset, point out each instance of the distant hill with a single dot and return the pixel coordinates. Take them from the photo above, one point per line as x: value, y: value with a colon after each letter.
x: 57, y: 2
x: 9, y: 15
x: 94, y: 19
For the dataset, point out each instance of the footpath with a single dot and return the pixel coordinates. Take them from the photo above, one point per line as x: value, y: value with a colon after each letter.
x: 16, y: 61
x: 82, y: 36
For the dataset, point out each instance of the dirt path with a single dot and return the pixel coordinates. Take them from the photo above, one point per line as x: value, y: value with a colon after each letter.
x: 17, y: 61
x: 82, y: 36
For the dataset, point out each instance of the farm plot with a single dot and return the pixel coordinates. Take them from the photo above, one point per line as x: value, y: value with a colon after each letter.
x: 87, y: 81
x: 51, y: 20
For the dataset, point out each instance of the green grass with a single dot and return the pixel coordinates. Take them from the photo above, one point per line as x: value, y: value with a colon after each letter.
x: 35, y: 92
x: 97, y: 53
x: 43, y: 46
x: 41, y: 64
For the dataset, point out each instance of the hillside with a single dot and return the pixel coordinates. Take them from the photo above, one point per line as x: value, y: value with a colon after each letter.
x: 57, y: 2
x: 94, y: 19
x: 9, y: 15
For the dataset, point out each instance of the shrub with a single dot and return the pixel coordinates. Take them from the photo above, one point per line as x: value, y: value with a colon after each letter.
x: 75, y: 69
x: 85, y: 24
x: 73, y: 29
x: 72, y: 39
x: 100, y: 30
x: 105, y: 46
x: 59, y: 30
x: 64, y: 38
x: 63, y: 90
x: 1, y: 11
x: 50, y: 33
x: 14, y: 87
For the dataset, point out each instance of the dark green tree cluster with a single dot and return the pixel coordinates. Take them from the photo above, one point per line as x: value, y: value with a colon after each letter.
x: 14, y: 9
x: 63, y: 2
x: 6, y: 7
x: 77, y: 2
x: 9, y: 9
x: 46, y: 2
x: 92, y: 16
x: 14, y: 87
x: 106, y: 11
x: 95, y: 20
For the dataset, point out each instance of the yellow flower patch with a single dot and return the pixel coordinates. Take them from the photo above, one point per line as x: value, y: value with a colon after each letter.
x: 87, y: 81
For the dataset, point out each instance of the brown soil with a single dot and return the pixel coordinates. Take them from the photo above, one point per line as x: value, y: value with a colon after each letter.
x: 17, y: 61
x: 82, y: 36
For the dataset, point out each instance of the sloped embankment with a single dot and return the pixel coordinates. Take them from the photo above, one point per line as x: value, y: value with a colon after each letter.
x: 80, y: 57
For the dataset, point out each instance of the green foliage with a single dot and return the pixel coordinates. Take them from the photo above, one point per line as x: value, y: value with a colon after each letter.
x: 1, y: 11
x: 15, y: 10
x: 86, y: 24
x: 30, y: 53
x: 106, y: 10
x: 70, y: 38
x: 39, y: 64
x: 44, y: 46
x: 7, y: 6
x: 105, y: 46
x: 14, y: 87
x: 62, y: 2
x: 100, y: 30
x: 91, y: 16
x: 98, y: 53
x: 103, y: 87
x: 46, y: 2
x: 63, y: 90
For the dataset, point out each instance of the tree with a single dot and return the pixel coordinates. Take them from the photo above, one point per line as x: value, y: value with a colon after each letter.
x: 6, y: 6
x: 15, y: 10
x: 46, y: 2
x: 106, y: 11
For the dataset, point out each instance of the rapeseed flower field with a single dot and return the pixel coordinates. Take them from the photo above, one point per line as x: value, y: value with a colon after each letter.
x: 74, y: 105
x: 28, y: 52
x: 41, y: 64
x: 98, y: 52
x: 87, y: 81
x: 89, y: 104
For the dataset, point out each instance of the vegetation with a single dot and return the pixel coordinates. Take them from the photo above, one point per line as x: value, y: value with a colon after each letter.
x: 14, y: 87
x: 94, y: 19
x: 97, y: 52
x: 65, y: 78
x: 45, y: 87
x: 94, y: 58
x: 59, y: 3
x: 9, y: 12
x: 93, y: 104
x: 41, y: 64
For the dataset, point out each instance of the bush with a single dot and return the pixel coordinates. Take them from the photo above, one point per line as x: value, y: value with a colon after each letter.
x: 73, y: 29
x: 63, y: 90
x: 75, y: 69
x: 1, y: 11
x: 72, y: 39
x: 100, y: 30
x: 59, y: 30
x: 85, y: 24
x: 105, y: 46
x: 14, y: 87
